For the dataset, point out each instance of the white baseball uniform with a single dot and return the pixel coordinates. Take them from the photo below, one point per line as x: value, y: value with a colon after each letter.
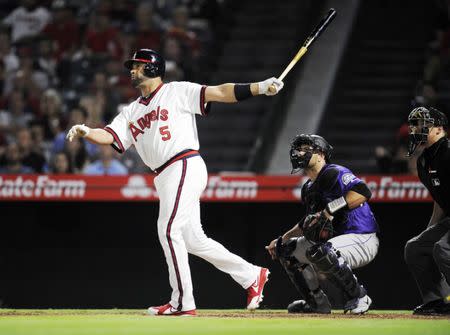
x: 163, y: 129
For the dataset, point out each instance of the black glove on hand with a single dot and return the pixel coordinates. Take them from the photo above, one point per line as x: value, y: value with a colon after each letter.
x: 317, y: 227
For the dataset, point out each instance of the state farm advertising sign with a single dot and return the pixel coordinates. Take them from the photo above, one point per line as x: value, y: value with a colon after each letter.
x: 221, y: 188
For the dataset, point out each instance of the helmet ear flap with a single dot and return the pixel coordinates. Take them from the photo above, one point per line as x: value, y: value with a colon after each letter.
x: 149, y: 70
x: 153, y: 70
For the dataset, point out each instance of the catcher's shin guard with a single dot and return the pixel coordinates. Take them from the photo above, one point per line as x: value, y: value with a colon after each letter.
x: 305, y: 281
x: 327, y: 261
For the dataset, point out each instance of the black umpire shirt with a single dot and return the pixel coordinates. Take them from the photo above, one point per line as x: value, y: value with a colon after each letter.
x: 433, y: 167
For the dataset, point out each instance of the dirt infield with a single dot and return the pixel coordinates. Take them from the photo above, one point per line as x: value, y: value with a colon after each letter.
x: 335, y: 315
x: 259, y: 314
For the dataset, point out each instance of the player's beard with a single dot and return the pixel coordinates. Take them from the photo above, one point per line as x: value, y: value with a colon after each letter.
x: 136, y: 81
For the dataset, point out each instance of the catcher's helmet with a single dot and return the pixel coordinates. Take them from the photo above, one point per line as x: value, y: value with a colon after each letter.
x: 155, y: 65
x: 420, y: 120
x: 316, y: 143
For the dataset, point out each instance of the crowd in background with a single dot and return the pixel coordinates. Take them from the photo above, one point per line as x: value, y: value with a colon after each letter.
x: 61, y: 63
x: 432, y: 90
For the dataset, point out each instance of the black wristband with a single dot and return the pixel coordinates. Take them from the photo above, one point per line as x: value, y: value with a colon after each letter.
x: 242, y: 91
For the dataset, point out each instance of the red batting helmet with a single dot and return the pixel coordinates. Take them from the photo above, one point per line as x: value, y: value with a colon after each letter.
x: 155, y: 65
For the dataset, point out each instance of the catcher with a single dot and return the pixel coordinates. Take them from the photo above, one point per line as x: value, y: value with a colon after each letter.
x: 337, y: 234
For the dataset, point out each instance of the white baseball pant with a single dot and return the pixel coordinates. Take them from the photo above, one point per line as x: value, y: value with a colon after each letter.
x: 180, y: 231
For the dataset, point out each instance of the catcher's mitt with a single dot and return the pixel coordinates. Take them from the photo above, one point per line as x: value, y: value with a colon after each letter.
x: 317, y: 227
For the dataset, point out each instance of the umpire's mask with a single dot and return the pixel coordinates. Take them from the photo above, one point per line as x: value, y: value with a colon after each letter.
x: 420, y: 120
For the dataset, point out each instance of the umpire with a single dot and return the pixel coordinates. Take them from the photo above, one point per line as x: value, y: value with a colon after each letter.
x: 428, y: 254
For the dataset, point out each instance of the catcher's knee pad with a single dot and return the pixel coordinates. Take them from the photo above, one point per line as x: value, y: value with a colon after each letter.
x: 328, y: 261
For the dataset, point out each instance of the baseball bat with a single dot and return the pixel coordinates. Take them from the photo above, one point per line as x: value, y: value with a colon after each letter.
x: 321, y: 26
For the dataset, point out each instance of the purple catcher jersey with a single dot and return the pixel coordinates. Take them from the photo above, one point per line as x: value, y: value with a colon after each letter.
x: 334, y: 181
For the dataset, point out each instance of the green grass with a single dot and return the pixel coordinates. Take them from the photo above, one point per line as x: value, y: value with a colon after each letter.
x: 274, y: 322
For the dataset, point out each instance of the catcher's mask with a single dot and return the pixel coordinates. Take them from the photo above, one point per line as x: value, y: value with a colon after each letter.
x: 420, y: 120
x: 304, y: 146
x: 155, y: 65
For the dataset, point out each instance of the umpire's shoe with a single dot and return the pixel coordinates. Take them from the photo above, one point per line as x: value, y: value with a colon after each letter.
x: 435, y: 307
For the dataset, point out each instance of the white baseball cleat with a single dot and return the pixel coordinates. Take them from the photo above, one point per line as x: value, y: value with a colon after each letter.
x: 361, y: 305
x: 255, y: 292
x: 168, y: 310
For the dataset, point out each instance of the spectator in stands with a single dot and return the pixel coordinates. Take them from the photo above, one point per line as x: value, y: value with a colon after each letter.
x: 119, y: 81
x: 204, y: 9
x: 51, y: 111
x: 164, y: 9
x: 105, y: 98
x: 76, y: 151
x: 174, y: 51
x: 63, y: 30
x: 173, y: 72
x: 147, y: 31
x: 179, y: 29
x: 2, y: 81
x: 439, y: 50
x: 121, y: 13
x: 13, y: 163
x: 44, y: 65
x: 41, y: 68
x: 27, y: 21
x: 426, y: 95
x: 38, y: 138
x: 61, y: 164
x: 81, y: 55
x: 95, y: 107
x: 133, y: 163
x: 33, y: 79
x: 3, y: 145
x: 101, y: 39
x: 203, y: 21
x: 24, y: 81
x: 29, y: 156
x: 16, y: 115
x: 7, y: 55
x: 78, y: 115
x: 106, y: 164
x: 393, y: 159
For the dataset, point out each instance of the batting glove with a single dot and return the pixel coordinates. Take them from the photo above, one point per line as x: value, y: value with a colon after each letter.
x: 263, y: 86
x: 78, y: 130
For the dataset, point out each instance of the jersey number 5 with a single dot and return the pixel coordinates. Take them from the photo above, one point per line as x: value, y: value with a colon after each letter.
x: 164, y: 131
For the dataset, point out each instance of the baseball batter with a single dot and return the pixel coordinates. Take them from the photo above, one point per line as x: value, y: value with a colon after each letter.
x: 338, y: 233
x: 162, y: 127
